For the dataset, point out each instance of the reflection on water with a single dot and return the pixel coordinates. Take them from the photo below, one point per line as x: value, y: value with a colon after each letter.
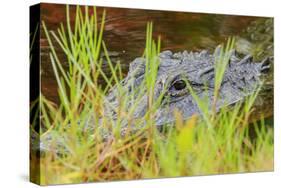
x: 125, y: 33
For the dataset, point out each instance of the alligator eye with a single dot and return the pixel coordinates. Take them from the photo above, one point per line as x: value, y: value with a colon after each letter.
x: 179, y: 85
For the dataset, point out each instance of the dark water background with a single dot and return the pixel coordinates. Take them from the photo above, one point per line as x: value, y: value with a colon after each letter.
x: 125, y: 31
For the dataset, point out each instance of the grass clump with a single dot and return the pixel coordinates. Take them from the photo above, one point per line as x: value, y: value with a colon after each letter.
x: 217, y: 143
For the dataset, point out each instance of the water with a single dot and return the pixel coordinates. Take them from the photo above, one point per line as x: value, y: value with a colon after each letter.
x: 125, y: 31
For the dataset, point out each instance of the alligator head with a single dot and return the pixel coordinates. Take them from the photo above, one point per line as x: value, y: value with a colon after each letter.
x: 196, y: 69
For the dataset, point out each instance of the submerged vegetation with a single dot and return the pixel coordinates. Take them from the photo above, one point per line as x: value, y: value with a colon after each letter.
x: 212, y: 143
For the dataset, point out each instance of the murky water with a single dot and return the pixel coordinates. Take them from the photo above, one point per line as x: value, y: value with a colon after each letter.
x: 125, y: 34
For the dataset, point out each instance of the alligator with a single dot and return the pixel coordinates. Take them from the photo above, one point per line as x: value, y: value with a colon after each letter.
x: 177, y: 73
x: 197, y: 69
x: 177, y: 70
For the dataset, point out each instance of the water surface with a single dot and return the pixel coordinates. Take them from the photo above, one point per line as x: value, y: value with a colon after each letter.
x: 125, y: 31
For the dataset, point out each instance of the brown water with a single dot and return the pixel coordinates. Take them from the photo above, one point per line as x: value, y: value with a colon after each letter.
x: 125, y: 34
